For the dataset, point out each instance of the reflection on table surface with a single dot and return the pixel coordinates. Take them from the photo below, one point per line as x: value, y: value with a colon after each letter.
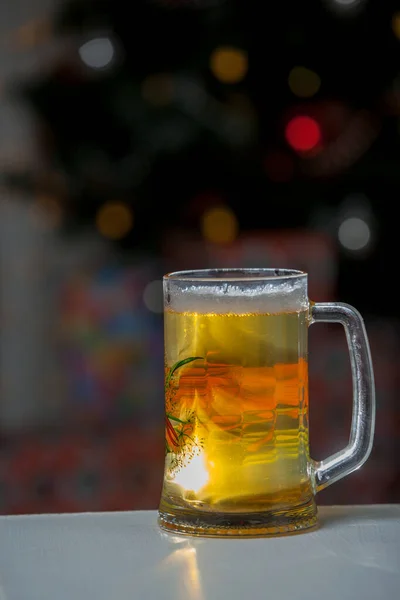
x: 355, y: 553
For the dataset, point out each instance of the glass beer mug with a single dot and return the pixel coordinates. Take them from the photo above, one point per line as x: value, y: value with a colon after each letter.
x: 237, y: 459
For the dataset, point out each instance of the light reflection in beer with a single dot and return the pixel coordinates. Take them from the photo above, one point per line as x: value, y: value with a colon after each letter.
x: 193, y: 476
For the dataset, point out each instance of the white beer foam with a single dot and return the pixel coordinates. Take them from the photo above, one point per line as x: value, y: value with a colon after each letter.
x: 264, y: 297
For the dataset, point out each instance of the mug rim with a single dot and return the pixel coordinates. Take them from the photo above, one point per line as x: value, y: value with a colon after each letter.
x: 235, y: 274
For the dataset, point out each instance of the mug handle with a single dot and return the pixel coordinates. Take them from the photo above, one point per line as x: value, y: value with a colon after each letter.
x: 354, y: 455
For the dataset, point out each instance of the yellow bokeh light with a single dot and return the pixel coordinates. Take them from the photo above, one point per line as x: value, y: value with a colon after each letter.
x: 114, y: 220
x: 396, y: 24
x: 228, y: 64
x: 219, y: 225
x: 303, y: 82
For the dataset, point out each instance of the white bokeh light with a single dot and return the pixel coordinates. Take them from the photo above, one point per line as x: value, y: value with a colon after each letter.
x: 356, y: 225
x: 354, y: 234
x: 153, y: 296
x: 343, y: 7
x: 97, y: 53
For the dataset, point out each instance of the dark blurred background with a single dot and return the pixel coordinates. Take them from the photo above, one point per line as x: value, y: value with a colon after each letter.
x: 142, y: 137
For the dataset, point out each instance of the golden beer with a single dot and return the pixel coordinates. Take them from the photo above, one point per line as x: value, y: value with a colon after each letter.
x: 237, y: 457
x: 236, y: 422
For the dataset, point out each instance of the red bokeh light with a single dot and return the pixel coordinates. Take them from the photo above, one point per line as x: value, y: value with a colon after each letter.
x: 303, y: 133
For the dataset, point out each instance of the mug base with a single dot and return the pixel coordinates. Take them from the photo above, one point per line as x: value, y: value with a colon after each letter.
x: 271, y: 523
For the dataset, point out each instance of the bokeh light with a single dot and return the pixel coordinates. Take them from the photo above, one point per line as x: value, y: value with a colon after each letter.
x: 219, y: 225
x: 396, y: 24
x: 357, y: 227
x: 229, y: 64
x: 114, y: 220
x: 193, y: 4
x: 97, y: 53
x: 346, y: 7
x: 303, y: 133
x: 346, y: 2
x: 303, y: 82
x: 354, y: 233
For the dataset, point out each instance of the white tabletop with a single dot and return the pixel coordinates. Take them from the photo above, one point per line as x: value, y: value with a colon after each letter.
x: 355, y: 554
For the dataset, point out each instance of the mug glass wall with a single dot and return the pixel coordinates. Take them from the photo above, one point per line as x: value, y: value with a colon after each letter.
x: 237, y: 459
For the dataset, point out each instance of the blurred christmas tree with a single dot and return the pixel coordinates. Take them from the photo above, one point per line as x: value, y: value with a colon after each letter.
x: 157, y: 104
